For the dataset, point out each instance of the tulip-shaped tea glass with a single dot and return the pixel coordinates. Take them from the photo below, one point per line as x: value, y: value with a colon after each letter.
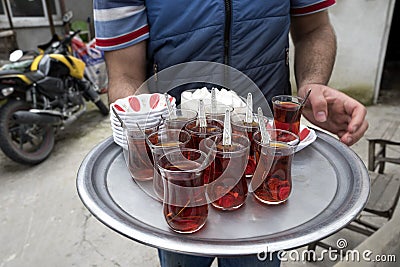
x: 198, y: 133
x: 217, y: 111
x: 287, y: 112
x: 240, y: 126
x: 161, y: 142
x: 272, y: 180
x: 185, y: 205
x: 140, y: 159
x: 179, y: 118
x: 227, y: 185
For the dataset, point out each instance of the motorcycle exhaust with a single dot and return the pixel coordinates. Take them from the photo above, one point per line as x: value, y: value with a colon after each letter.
x: 75, y: 116
x: 26, y: 117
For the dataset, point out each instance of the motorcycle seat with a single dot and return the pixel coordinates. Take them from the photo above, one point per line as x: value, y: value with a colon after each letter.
x: 8, y: 72
x: 34, y: 76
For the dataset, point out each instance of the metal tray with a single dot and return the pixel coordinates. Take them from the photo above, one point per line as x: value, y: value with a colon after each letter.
x: 330, y: 187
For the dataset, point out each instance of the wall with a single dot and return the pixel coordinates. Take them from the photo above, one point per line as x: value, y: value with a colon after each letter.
x: 362, y: 28
x: 29, y: 38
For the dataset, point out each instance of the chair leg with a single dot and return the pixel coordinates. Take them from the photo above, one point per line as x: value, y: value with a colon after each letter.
x: 383, y: 155
x: 371, y: 156
x: 312, y: 247
x: 361, y: 230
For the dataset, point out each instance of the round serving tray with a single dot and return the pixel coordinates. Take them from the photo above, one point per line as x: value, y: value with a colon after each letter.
x: 330, y: 188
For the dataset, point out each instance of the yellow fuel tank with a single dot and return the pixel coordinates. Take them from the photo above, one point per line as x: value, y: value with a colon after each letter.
x: 76, y: 66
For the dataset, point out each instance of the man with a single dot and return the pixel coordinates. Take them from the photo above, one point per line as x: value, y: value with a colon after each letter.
x: 251, y: 36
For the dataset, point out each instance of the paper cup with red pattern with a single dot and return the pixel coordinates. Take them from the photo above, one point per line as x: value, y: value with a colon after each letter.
x: 142, y: 105
x: 144, y: 109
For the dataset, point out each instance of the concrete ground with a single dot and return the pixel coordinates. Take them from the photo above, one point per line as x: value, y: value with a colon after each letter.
x: 43, y: 223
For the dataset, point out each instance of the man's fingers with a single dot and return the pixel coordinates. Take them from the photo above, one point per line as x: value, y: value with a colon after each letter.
x: 351, y: 138
x: 358, y: 113
x: 341, y: 133
x: 319, y: 105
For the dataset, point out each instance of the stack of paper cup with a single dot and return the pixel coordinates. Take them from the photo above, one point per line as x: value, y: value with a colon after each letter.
x: 144, y: 109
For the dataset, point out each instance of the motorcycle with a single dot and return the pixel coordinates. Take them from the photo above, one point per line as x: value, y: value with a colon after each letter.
x: 36, y: 104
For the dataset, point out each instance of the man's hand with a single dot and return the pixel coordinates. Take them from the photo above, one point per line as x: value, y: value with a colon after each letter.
x: 335, y: 111
x: 315, y: 50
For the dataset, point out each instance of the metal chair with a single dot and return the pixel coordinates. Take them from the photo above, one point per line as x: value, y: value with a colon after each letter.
x: 385, y: 188
x: 384, y: 196
x: 385, y: 192
x: 387, y: 133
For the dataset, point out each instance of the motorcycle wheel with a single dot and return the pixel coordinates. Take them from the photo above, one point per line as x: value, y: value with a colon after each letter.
x: 28, y: 144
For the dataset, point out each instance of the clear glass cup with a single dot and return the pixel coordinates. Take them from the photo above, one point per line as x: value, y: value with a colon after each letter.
x: 139, y: 158
x: 218, y: 113
x: 200, y: 133
x: 161, y: 142
x: 287, y: 112
x: 225, y: 177
x: 240, y: 126
x: 272, y: 180
x: 181, y: 118
x: 185, y: 205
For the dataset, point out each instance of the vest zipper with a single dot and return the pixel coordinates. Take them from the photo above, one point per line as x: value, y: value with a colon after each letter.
x: 155, y: 69
x: 227, y: 33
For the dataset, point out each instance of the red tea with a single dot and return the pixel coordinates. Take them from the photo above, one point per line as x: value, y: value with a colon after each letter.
x: 162, y: 142
x: 190, y: 214
x: 226, y: 178
x: 140, y: 165
x: 160, y: 150
x: 140, y: 159
x: 182, y: 116
x: 287, y: 116
x: 199, y: 133
x: 249, y: 129
x: 275, y: 171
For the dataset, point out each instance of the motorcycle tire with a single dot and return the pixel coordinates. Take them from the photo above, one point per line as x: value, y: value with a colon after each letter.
x: 28, y: 144
x: 91, y: 94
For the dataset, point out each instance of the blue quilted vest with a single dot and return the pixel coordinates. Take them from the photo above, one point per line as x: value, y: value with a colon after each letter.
x: 249, y: 35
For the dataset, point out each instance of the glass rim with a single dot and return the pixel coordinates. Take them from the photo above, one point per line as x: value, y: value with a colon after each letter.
x: 168, y: 130
x: 215, y: 136
x: 220, y: 125
x: 165, y: 115
x: 136, y: 133
x: 200, y: 168
x: 297, y: 138
x: 240, y: 123
x: 143, y: 127
x: 298, y: 98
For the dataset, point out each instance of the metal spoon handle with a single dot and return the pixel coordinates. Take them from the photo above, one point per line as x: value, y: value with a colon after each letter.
x: 249, y: 108
x: 227, y: 134
x: 171, y: 111
x: 265, y: 138
x: 202, y: 115
x: 301, y: 105
x: 118, y: 117
x: 213, y: 101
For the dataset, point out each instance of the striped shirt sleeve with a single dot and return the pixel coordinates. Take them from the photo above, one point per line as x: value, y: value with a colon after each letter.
x: 119, y: 23
x: 305, y: 7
